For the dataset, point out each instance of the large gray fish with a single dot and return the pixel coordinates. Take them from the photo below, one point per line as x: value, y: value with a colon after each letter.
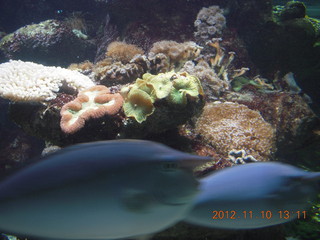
x: 100, y: 190
x: 253, y: 195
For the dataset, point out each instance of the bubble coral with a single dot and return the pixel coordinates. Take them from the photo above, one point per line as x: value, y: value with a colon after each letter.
x: 123, y: 52
x: 93, y: 102
x: 227, y: 126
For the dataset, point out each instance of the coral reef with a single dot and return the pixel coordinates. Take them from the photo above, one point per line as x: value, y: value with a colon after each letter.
x: 83, y: 67
x: 150, y: 21
x: 31, y: 82
x: 240, y: 157
x: 216, y: 72
x: 292, y: 10
x: 17, y: 148
x: 288, y: 113
x: 213, y: 86
x: 269, y: 118
x: 158, y: 63
x: 93, y: 102
x: 177, y: 53
x: 138, y: 105
x: 111, y: 73
x: 40, y: 42
x: 105, y: 37
x: 231, y: 126
x: 176, y: 88
x: 123, y: 52
x: 286, y: 44
x: 209, y: 23
x: 44, y: 122
x: 160, y: 102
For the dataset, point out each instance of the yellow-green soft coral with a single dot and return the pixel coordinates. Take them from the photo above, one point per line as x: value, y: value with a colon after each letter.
x: 176, y: 88
x: 138, y: 105
x: 185, y: 86
x: 161, y: 83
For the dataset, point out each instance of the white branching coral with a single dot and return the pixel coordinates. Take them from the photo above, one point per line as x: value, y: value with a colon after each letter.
x: 32, y: 82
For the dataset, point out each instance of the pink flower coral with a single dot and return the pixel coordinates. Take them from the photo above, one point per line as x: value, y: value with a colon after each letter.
x: 93, y: 102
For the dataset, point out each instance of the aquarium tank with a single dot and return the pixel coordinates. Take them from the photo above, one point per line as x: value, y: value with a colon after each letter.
x: 160, y: 119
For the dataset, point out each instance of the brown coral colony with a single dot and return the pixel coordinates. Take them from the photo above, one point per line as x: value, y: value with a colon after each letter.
x: 123, y: 52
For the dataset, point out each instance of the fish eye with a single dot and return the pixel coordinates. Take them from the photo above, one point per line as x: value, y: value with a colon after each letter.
x: 169, y: 166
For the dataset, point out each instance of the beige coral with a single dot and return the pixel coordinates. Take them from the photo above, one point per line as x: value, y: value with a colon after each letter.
x: 232, y: 126
x: 93, y: 102
x: 178, y: 53
x: 212, y: 85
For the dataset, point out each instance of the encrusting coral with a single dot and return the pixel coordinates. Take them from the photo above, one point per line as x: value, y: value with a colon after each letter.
x: 111, y: 73
x: 232, y: 126
x: 30, y: 82
x: 93, y: 102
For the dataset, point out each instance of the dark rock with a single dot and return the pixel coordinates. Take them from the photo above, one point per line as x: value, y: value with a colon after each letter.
x: 50, y: 42
x: 292, y: 10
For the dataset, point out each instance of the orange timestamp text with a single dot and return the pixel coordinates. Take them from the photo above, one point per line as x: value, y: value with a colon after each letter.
x: 282, y: 214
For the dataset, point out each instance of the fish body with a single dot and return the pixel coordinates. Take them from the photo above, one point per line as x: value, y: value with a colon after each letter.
x: 101, y: 190
x: 254, y: 195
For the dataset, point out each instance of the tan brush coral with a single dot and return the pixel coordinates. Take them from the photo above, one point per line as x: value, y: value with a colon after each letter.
x: 93, y: 102
x: 232, y: 126
x: 177, y: 53
x: 81, y: 67
x: 123, y: 52
x: 31, y: 82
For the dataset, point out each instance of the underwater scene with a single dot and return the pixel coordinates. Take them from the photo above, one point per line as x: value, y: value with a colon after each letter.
x: 160, y: 119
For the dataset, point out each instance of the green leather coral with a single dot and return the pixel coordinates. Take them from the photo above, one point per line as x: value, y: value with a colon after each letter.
x: 161, y: 83
x: 138, y: 105
x: 185, y: 86
x: 176, y: 88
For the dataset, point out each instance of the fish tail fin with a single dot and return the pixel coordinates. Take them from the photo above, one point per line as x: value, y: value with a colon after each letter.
x: 311, y: 177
